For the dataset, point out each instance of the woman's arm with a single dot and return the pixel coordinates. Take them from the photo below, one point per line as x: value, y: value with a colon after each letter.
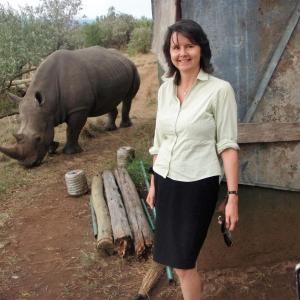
x: 151, y: 194
x: 231, y: 168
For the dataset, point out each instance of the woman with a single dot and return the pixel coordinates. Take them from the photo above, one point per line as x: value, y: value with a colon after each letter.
x: 196, y: 124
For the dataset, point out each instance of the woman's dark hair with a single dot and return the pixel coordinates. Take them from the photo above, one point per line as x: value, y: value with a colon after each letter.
x: 194, y: 32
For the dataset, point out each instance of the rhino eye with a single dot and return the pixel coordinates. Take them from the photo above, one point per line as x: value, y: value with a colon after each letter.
x: 38, y: 97
x: 37, y: 139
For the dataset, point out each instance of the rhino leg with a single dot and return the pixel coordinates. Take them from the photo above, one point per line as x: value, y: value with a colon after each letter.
x: 53, y: 146
x: 111, y: 121
x: 75, y: 123
x: 126, y: 122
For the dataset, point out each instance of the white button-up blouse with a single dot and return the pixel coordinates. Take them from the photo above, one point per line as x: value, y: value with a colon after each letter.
x: 189, y: 136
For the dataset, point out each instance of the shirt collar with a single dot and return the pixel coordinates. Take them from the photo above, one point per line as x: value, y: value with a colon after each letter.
x: 202, y: 76
x: 165, y: 77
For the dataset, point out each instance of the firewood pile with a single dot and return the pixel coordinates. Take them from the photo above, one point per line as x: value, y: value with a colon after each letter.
x: 120, y: 223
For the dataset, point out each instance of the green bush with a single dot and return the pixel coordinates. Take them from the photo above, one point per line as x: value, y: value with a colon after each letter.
x: 110, y: 31
x: 92, y: 35
x: 140, y: 41
x: 32, y: 33
x: 118, y: 30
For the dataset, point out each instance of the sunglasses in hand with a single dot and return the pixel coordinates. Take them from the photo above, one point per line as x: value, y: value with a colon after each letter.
x: 226, y: 233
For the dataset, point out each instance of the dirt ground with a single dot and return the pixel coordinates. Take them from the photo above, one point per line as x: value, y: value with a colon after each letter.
x: 47, y: 249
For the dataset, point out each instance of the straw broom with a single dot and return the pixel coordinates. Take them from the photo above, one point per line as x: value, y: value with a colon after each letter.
x: 150, y: 279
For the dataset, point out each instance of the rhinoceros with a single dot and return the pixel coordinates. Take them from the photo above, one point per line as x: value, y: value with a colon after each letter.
x: 70, y: 86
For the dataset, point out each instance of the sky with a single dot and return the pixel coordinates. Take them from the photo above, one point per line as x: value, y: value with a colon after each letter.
x: 93, y: 8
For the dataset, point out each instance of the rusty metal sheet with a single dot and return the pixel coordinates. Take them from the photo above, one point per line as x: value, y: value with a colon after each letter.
x: 278, y: 165
x: 271, y: 66
x: 275, y: 165
x: 281, y: 102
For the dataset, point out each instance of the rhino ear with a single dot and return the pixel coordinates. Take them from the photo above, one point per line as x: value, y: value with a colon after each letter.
x: 39, y: 98
x: 14, y: 98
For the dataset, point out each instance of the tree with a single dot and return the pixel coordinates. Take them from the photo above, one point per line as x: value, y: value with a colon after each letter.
x: 111, y: 30
x: 20, y: 43
x: 141, y: 36
x: 59, y: 16
x: 28, y: 35
x: 140, y: 41
x: 93, y: 35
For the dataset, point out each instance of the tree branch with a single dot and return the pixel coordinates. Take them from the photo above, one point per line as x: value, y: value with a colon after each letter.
x: 16, y: 76
x: 9, y: 114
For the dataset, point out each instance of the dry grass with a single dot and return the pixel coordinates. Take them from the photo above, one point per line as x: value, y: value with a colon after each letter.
x: 110, y: 276
x: 8, y: 126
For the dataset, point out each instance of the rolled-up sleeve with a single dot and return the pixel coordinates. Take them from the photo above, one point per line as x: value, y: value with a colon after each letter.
x: 156, y: 142
x: 225, y: 114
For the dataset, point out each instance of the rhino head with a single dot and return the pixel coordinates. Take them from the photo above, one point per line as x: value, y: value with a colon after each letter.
x: 35, y: 134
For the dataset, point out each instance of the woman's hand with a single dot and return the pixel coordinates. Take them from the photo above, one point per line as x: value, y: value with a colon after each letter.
x: 232, y: 212
x: 151, y: 196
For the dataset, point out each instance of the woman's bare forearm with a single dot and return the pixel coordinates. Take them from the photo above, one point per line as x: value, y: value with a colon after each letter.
x: 152, y: 176
x: 231, y: 168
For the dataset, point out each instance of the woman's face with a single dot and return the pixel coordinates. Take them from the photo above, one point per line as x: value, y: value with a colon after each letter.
x: 185, y: 55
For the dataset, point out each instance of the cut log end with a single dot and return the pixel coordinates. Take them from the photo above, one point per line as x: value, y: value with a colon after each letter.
x: 105, y: 244
x: 125, y: 155
x: 124, y: 246
x: 141, y: 250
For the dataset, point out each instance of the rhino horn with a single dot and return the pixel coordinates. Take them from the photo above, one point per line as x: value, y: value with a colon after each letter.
x: 18, y: 136
x: 14, y: 98
x: 11, y: 152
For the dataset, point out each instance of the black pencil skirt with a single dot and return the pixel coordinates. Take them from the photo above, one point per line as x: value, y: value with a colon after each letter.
x: 183, y: 213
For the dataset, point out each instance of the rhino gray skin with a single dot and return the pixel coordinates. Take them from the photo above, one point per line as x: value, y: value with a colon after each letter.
x: 70, y: 86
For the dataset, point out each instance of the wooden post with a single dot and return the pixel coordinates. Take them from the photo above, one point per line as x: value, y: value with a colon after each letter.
x: 120, y: 226
x: 143, y: 237
x: 125, y: 154
x: 104, y: 238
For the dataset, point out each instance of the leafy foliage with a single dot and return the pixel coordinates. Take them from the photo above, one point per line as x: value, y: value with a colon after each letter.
x: 140, y: 41
x: 112, y: 30
x: 59, y: 18
x: 31, y: 34
x: 115, y: 30
x: 136, y: 174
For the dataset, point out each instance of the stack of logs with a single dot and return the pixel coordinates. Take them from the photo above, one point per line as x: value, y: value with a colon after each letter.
x: 121, y: 222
